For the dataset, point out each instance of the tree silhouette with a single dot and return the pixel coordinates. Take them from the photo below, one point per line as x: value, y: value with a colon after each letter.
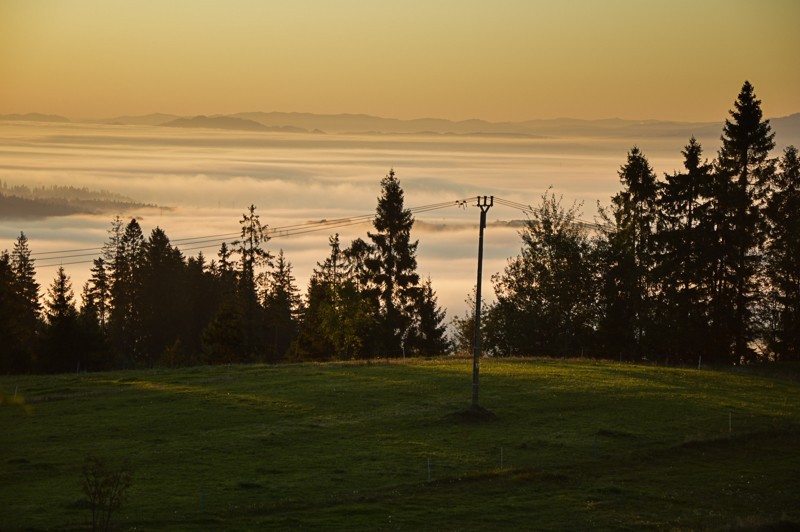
x: 252, y: 257
x: 18, y: 323
x: 392, y: 265
x: 281, y: 304
x: 25, y: 273
x: 62, y: 339
x: 163, y: 295
x: 429, y: 334
x: 125, y: 322
x: 744, y: 173
x: 625, y: 254
x: 544, y: 294
x: 99, y: 293
x: 681, y: 271
x: 783, y: 256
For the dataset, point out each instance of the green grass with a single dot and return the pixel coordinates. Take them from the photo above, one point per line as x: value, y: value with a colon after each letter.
x: 584, y: 445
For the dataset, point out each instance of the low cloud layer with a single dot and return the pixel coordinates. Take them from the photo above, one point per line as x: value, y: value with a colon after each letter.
x: 210, y: 177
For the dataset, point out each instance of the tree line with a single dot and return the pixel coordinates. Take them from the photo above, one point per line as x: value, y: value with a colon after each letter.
x: 146, y: 304
x: 700, y: 266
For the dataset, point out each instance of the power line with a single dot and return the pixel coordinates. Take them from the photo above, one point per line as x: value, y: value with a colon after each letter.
x: 527, y: 209
x: 214, y: 240
x: 285, y: 231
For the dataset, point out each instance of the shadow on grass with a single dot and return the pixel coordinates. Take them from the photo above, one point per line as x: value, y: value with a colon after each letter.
x: 474, y: 414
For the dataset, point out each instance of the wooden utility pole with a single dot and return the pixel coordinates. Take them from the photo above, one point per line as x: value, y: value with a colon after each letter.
x: 484, y: 204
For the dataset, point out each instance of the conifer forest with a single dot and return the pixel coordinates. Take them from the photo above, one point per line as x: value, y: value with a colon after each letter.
x: 698, y: 265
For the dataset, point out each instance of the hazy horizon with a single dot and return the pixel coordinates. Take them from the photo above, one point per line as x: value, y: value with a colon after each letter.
x: 168, y: 113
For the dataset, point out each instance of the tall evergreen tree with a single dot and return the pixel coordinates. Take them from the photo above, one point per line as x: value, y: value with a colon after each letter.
x: 250, y: 247
x: 17, y: 323
x: 204, y: 294
x: 745, y: 172
x: 25, y: 273
x: 98, y: 293
x: 125, y: 321
x: 682, y: 257
x: 93, y: 340
x: 252, y: 257
x: 225, y: 270
x: 162, y: 298
x: 111, y: 248
x: 62, y: 340
x: 281, y: 303
x: 626, y: 252
x: 783, y: 256
x: 392, y: 265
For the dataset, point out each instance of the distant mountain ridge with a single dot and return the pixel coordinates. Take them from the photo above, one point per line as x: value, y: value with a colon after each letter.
x: 153, y: 119
x: 229, y: 122
x: 787, y: 127
x: 34, y: 117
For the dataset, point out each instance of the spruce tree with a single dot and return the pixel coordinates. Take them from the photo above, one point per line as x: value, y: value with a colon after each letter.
x: 17, y: 323
x: 745, y: 173
x: 94, y: 349
x: 252, y: 258
x: 25, y: 273
x: 62, y: 341
x: 98, y: 293
x: 225, y: 270
x: 162, y: 297
x: 681, y: 259
x: 203, y: 297
x: 281, y: 303
x: 625, y: 252
x: 392, y: 265
x: 429, y: 335
x: 783, y: 256
x: 125, y: 321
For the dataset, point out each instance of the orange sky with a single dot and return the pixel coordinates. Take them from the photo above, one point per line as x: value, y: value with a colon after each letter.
x: 457, y: 59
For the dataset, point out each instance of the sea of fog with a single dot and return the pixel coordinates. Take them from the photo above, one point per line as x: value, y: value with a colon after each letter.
x: 207, y: 178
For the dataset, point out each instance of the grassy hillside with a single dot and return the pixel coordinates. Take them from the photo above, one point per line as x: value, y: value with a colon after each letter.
x: 576, y: 445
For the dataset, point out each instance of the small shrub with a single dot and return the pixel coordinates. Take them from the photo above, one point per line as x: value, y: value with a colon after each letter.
x: 105, y: 488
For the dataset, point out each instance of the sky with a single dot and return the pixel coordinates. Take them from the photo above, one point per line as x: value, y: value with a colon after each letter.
x: 504, y: 60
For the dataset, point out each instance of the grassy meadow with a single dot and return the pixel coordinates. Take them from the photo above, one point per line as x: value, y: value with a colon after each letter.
x: 575, y: 445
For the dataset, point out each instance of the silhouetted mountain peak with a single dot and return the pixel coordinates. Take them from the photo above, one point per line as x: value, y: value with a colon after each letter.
x: 34, y: 117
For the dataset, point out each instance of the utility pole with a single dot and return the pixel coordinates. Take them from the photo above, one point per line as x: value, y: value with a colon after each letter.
x: 484, y: 204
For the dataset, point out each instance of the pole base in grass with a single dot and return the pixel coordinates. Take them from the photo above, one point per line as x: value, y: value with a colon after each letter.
x: 474, y: 414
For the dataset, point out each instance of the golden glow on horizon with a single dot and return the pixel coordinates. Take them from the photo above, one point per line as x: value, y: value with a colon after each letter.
x: 505, y: 60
